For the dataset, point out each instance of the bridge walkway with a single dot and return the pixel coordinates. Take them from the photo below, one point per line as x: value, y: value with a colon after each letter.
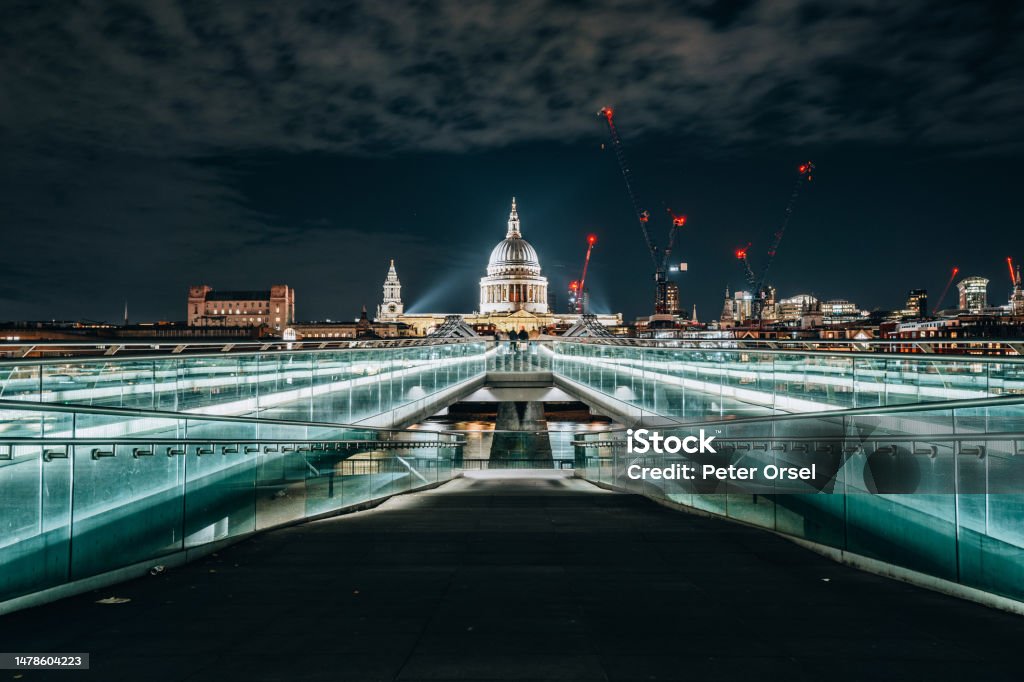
x: 499, y: 576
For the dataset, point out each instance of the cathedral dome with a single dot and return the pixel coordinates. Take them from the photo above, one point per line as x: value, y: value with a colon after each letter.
x: 513, y: 280
x: 513, y: 252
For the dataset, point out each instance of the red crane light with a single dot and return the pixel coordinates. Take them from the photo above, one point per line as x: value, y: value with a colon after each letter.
x: 606, y: 112
x: 741, y: 254
x: 677, y: 220
x: 574, y: 285
x: 591, y: 239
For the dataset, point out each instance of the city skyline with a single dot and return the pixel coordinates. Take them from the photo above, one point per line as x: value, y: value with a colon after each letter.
x: 146, y: 151
x: 334, y: 333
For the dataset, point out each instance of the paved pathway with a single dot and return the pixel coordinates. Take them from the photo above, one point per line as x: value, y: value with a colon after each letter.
x: 512, y: 578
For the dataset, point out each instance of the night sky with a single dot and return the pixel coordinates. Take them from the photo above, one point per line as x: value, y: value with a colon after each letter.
x: 149, y: 146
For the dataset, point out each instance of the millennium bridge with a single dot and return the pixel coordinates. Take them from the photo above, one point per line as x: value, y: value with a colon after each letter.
x: 131, y: 474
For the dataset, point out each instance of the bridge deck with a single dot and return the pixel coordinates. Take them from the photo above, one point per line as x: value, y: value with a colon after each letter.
x: 506, y: 577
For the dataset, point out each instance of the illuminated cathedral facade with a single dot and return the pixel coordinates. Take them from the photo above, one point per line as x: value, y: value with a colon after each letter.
x: 513, y: 293
x: 513, y: 280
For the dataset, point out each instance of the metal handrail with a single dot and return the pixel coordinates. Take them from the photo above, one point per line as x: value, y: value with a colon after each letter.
x: 551, y: 463
x: 853, y: 411
x: 166, y: 414
x: 121, y: 440
x: 346, y: 343
x: 624, y: 340
x: 886, y: 437
x: 816, y: 347
x: 842, y: 347
x: 227, y: 348
x: 848, y: 348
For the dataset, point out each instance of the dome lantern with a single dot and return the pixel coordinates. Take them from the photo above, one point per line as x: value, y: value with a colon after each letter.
x: 513, y: 223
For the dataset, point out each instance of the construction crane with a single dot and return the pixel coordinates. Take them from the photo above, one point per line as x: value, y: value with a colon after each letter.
x: 576, y: 289
x: 658, y: 256
x: 805, y: 174
x: 1013, y: 277
x: 949, y: 283
x: 748, y: 273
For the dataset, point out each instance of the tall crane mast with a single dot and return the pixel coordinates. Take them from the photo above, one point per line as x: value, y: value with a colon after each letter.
x: 591, y: 240
x: 805, y: 174
x: 576, y: 288
x: 949, y: 283
x: 748, y: 272
x: 658, y: 257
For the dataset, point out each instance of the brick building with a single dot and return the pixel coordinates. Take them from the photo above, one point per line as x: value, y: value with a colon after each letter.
x: 209, y: 308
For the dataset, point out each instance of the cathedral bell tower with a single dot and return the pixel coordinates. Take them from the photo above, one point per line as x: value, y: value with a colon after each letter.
x: 391, y: 307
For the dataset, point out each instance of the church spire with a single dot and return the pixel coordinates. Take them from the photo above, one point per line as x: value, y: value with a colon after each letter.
x: 726, y: 319
x: 513, y: 222
x: 391, y: 307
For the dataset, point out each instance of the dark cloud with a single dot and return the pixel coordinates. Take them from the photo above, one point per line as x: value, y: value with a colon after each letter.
x: 365, y: 77
x: 153, y: 145
x: 721, y: 14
